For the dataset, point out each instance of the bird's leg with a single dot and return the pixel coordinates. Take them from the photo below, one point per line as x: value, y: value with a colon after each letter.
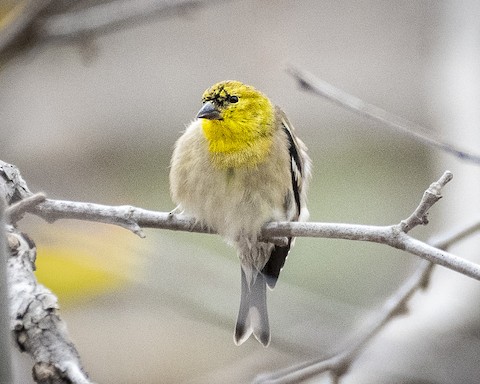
x: 280, y: 241
x: 178, y: 210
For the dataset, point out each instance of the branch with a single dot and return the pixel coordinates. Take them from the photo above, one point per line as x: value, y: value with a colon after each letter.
x: 19, y: 19
x: 5, y: 353
x: 12, y: 186
x: 134, y: 219
x: 126, y: 216
x: 321, y: 88
x: 339, y: 364
x: 15, y: 212
x: 430, y: 197
x: 36, y: 325
x: 33, y: 22
x: 111, y: 16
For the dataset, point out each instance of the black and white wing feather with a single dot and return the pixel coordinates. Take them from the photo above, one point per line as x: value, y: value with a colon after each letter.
x: 296, y: 209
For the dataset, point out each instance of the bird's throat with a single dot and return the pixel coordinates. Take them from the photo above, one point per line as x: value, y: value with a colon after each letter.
x: 235, y: 145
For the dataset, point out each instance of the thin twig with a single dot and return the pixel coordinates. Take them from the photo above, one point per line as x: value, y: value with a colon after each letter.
x: 321, y: 88
x: 430, y: 197
x: 15, y: 211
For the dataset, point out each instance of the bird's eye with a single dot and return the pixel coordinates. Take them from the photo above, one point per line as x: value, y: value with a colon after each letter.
x: 233, y: 99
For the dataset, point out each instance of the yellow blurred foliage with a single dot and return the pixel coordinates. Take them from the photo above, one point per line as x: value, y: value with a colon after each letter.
x: 9, y: 10
x: 73, y: 275
x: 79, y: 261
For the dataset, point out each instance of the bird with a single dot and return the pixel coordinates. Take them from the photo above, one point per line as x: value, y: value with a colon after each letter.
x: 237, y: 166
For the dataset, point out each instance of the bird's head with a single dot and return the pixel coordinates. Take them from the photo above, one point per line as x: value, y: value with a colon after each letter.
x: 238, y: 122
x: 235, y: 111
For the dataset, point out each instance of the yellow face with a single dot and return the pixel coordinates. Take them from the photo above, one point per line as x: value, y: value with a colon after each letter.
x: 235, y: 100
x: 236, y: 118
x: 236, y: 111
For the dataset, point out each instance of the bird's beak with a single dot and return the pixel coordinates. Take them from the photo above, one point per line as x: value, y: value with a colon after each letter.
x: 208, y: 111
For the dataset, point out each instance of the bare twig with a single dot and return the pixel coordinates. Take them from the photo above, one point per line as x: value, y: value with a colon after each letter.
x: 37, y: 327
x: 15, y: 211
x: 321, y: 88
x: 430, y: 197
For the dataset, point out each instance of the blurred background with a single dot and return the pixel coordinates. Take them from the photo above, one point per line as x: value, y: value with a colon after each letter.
x: 95, y: 118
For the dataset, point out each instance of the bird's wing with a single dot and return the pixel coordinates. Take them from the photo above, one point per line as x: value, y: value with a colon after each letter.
x: 299, y: 164
x: 300, y: 172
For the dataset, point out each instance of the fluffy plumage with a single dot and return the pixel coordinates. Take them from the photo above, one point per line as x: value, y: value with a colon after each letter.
x: 236, y: 167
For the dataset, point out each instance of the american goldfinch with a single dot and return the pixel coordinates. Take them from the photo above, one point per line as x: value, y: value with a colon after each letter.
x: 238, y: 166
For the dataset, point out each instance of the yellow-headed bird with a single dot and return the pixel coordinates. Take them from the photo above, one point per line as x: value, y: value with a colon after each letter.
x: 238, y: 166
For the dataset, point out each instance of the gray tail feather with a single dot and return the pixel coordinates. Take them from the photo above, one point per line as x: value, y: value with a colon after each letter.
x: 253, y: 315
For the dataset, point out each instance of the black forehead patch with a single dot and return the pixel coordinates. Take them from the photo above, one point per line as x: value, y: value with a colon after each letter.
x: 217, y: 94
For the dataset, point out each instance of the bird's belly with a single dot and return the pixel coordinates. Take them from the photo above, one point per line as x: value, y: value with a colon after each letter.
x: 235, y: 203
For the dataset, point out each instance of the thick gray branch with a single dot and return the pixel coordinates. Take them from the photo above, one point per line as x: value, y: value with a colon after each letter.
x: 430, y: 197
x: 5, y: 360
x: 12, y: 186
x: 37, y: 328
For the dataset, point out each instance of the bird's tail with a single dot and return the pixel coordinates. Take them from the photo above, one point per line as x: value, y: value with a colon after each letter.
x: 253, y: 315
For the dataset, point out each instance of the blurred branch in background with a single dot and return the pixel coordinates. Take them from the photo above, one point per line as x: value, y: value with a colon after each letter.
x: 108, y: 16
x: 32, y: 22
x: 340, y: 363
x: 310, y: 83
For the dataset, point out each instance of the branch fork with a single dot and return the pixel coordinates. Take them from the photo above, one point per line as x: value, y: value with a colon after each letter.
x: 430, y: 197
